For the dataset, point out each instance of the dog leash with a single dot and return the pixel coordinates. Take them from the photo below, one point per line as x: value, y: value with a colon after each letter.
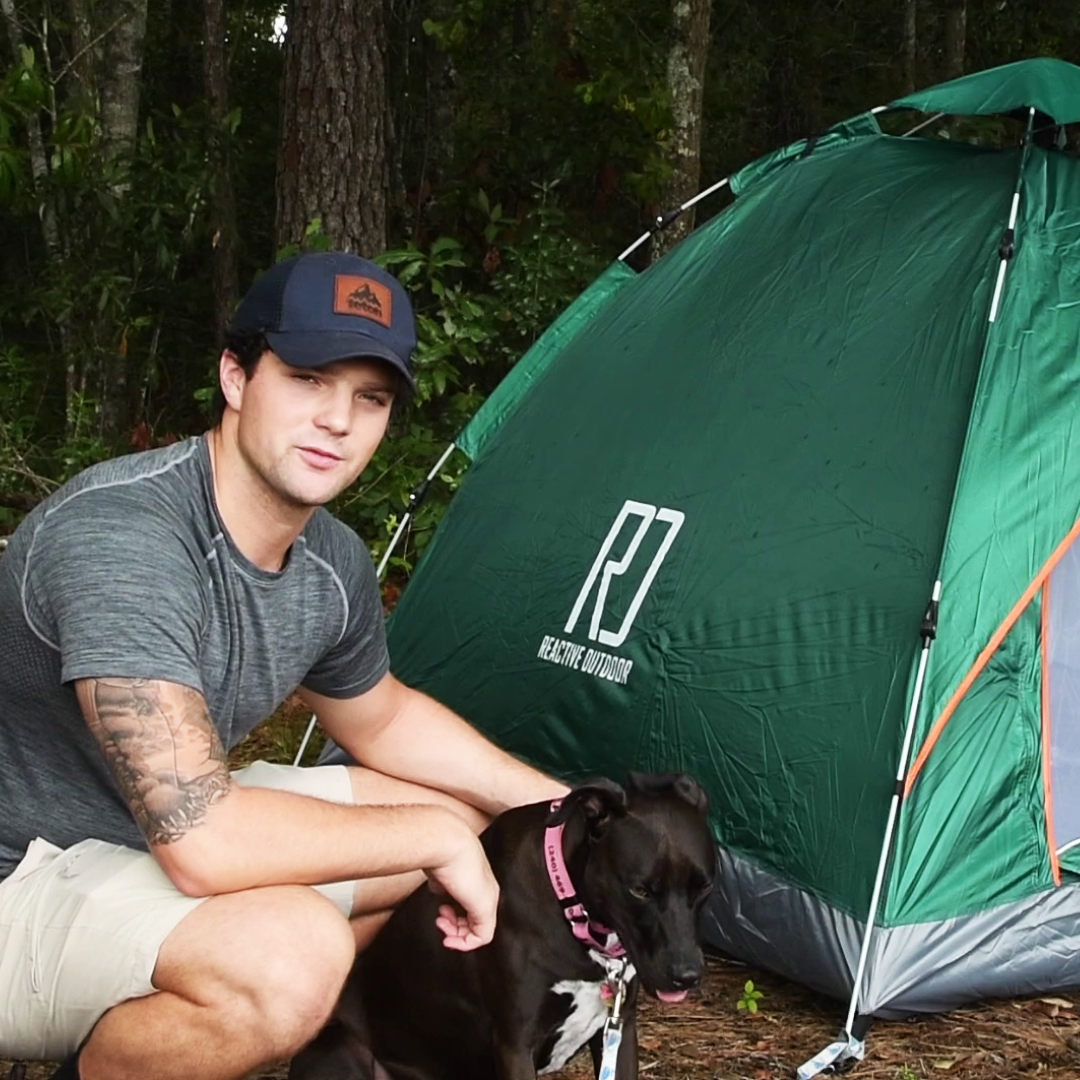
x: 621, y: 972
x: 586, y: 930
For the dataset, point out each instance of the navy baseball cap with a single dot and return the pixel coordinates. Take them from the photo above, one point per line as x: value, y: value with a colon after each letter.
x: 324, y: 306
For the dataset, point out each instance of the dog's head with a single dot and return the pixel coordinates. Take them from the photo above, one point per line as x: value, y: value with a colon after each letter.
x: 643, y: 860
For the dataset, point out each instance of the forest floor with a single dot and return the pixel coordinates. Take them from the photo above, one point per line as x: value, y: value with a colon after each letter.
x: 710, y: 1038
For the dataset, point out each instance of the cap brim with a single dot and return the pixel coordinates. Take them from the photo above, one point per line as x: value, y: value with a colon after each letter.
x: 317, y: 348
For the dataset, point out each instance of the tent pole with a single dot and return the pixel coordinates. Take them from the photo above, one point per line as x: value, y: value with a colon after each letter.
x: 664, y: 220
x: 848, y: 1046
x: 415, y: 499
x: 1008, y: 241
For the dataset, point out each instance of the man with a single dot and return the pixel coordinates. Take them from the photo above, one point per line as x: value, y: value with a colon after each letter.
x: 157, y: 915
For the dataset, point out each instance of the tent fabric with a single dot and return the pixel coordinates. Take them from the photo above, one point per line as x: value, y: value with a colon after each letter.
x: 1025, y: 947
x: 811, y: 372
x: 1017, y: 497
x: 702, y: 532
x: 1049, y: 85
x: 504, y: 398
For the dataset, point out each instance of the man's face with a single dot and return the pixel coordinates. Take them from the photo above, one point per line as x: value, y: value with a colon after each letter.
x: 307, y: 433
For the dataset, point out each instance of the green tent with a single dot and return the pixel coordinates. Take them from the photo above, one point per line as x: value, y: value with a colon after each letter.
x: 792, y: 510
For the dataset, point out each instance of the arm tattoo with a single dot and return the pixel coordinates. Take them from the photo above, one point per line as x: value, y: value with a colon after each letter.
x: 163, y: 750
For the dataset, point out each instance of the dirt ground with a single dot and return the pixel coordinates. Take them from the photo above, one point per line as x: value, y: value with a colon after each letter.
x: 709, y: 1038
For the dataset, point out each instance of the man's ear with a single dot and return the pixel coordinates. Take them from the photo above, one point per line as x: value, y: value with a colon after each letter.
x: 232, y: 378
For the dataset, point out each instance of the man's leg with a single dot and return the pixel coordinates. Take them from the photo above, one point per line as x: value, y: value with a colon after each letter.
x: 248, y: 978
x: 372, y: 901
x: 245, y: 979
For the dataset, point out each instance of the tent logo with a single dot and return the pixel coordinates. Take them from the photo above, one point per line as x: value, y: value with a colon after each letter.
x: 604, y: 570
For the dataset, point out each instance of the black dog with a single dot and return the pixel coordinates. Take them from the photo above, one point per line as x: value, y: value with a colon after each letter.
x: 642, y: 862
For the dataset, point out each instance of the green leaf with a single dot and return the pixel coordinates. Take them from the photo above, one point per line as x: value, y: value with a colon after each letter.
x: 751, y: 1006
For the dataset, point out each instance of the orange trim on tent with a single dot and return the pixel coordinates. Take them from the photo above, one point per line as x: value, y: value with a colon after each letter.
x: 984, y: 657
x: 1048, y: 794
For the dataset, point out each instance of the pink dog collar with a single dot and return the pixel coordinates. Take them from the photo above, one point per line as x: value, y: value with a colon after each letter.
x: 586, y: 930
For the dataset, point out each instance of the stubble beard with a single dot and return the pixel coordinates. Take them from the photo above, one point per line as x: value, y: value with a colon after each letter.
x: 277, y: 488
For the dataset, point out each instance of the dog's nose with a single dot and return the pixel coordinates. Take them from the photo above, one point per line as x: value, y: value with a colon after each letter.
x: 685, y: 976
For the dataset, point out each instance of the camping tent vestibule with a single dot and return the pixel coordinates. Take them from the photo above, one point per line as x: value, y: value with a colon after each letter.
x: 794, y: 510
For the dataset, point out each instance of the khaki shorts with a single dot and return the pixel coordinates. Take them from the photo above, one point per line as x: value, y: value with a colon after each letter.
x: 80, y: 929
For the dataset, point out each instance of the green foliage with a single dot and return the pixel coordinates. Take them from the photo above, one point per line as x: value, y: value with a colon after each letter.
x: 103, y: 235
x: 528, y: 139
x: 478, y: 311
x: 315, y: 239
x: 32, y: 464
x: 750, y: 998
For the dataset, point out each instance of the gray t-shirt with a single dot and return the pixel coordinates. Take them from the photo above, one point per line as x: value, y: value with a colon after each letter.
x: 128, y: 571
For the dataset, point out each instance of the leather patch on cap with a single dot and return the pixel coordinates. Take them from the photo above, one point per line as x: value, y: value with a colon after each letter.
x: 355, y: 295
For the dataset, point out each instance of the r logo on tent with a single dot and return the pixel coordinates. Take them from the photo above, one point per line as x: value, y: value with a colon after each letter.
x: 605, y: 569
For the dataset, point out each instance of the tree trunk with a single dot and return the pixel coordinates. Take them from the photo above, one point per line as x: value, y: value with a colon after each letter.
x: 955, y: 39
x: 911, y: 43
x: 332, y: 161
x: 440, y: 84
x: 109, y: 39
x: 686, y: 83
x: 105, y: 81
x: 125, y: 25
x: 39, y: 163
x: 223, y: 199
x: 50, y: 229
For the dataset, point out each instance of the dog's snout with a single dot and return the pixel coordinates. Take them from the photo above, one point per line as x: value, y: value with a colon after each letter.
x: 685, y: 976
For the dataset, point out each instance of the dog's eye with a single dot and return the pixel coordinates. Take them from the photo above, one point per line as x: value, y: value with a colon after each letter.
x: 639, y: 892
x: 704, y: 891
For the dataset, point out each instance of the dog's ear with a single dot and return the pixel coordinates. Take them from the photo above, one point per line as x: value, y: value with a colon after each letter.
x: 598, y: 801
x: 681, y: 784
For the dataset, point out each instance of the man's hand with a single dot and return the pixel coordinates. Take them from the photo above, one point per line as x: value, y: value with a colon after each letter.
x: 466, y: 878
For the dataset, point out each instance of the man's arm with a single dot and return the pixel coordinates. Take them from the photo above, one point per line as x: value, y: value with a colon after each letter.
x: 212, y: 836
x: 404, y: 733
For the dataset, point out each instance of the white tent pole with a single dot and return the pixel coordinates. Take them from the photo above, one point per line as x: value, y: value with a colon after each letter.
x: 848, y: 1045
x: 894, y: 806
x: 1008, y: 241
x: 925, y: 123
x: 414, y: 501
x: 666, y: 219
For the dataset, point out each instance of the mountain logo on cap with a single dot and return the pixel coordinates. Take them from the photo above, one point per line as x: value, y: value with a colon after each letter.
x: 363, y: 296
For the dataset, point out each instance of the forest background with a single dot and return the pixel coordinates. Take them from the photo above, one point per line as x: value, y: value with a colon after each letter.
x: 156, y: 155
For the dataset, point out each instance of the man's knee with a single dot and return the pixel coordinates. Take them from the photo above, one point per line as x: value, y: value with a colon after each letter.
x: 279, y: 959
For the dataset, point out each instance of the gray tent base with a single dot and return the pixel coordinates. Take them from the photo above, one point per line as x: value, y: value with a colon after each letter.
x: 1027, y: 947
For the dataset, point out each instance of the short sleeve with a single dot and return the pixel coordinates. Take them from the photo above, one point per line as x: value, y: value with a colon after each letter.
x: 113, y: 586
x: 360, y: 658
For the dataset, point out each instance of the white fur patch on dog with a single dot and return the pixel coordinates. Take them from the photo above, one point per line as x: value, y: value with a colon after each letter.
x: 587, y: 1015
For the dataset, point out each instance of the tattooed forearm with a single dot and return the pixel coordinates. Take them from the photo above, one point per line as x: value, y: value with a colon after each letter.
x: 162, y: 748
